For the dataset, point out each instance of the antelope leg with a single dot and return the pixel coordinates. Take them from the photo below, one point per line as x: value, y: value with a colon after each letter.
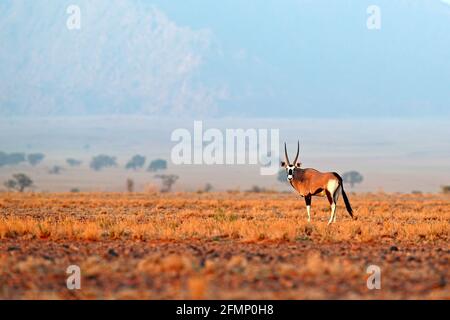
x: 336, y: 198
x: 333, y: 212
x: 330, y: 200
x: 308, y: 207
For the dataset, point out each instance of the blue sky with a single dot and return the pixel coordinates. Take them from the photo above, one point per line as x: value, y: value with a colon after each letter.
x: 229, y: 58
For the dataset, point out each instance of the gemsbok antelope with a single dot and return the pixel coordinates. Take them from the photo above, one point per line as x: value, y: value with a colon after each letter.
x: 310, y: 182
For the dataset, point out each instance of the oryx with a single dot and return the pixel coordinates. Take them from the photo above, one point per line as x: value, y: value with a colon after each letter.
x: 310, y: 182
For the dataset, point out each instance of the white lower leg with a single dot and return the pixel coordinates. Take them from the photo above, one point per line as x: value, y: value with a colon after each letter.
x: 308, y: 209
x: 333, y: 210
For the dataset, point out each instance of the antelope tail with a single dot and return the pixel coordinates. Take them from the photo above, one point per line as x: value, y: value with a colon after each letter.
x: 347, y: 203
x: 344, y: 196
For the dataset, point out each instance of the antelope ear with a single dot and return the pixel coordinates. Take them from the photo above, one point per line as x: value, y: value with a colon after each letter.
x: 298, y: 164
x: 283, y: 164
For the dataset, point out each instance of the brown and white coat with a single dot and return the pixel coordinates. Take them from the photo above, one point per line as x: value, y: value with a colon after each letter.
x: 310, y: 182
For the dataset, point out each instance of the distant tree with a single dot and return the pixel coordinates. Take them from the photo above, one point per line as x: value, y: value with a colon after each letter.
x: 19, y: 182
x: 445, y: 189
x: 102, y: 161
x: 73, y: 162
x: 352, y: 178
x: 11, y: 158
x: 130, y: 185
x: 16, y: 158
x: 208, y: 187
x: 75, y: 190
x: 136, y: 162
x: 35, y: 158
x: 282, y: 176
x: 156, y: 165
x: 168, y: 180
x: 257, y: 189
x: 55, y: 170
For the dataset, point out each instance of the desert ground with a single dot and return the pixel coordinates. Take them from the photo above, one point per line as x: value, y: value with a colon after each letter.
x: 222, y: 246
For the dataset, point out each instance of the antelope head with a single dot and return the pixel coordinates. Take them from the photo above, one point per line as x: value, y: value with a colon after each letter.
x: 290, y: 167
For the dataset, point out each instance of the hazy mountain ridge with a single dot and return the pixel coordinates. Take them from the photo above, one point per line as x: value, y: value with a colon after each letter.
x: 297, y: 58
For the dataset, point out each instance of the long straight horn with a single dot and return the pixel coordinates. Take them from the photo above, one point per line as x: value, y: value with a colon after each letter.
x: 298, y: 152
x: 286, y: 154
